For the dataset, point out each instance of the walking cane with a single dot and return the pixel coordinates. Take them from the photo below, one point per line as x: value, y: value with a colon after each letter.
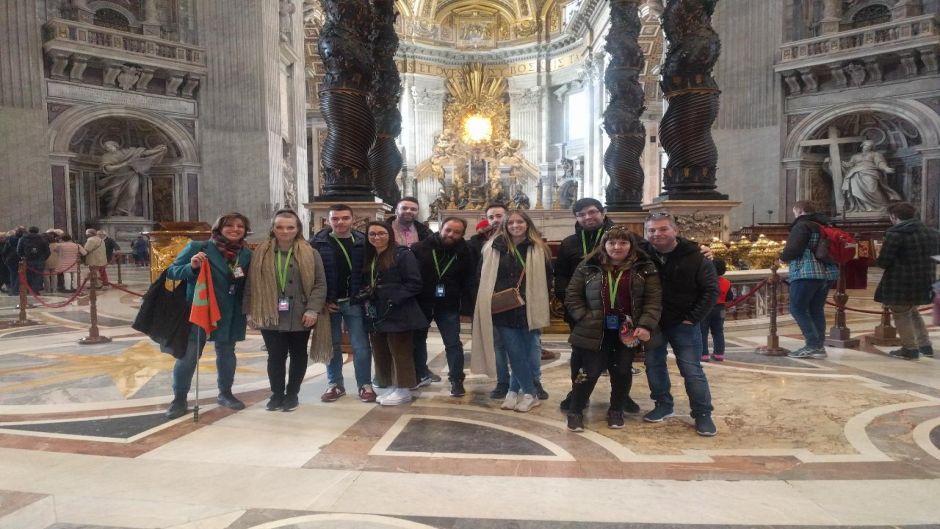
x: 198, y: 357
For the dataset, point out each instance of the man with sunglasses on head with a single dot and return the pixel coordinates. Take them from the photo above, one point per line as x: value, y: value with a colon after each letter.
x: 342, y: 249
x: 591, y: 222
x: 690, y: 289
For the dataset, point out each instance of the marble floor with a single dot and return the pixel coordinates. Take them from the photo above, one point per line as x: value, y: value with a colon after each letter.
x: 849, y: 441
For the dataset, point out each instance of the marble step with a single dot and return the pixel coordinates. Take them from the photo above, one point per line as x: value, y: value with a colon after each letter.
x: 19, y: 510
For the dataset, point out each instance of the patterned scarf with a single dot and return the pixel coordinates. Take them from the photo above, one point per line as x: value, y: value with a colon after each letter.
x: 227, y: 248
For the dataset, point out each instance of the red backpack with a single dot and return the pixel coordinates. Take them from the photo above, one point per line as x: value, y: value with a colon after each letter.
x: 835, y: 246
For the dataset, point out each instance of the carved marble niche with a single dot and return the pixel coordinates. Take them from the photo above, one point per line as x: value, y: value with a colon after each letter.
x: 834, y: 164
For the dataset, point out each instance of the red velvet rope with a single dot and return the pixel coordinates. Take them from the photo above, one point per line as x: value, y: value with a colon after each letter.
x: 77, y: 261
x: 122, y: 289
x: 43, y: 302
x: 750, y: 294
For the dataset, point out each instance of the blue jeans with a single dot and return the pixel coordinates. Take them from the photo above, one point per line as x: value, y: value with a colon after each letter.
x: 808, y: 307
x: 448, y: 324
x: 502, y: 360
x: 517, y: 345
x: 715, y: 323
x: 354, y: 316
x: 186, y: 366
x: 686, y: 342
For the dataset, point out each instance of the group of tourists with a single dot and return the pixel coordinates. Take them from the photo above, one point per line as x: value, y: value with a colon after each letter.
x: 382, y: 287
x: 52, y: 258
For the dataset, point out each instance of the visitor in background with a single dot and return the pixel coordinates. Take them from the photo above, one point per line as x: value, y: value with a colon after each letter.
x: 810, y: 278
x: 50, y: 277
x: 909, y: 272
x: 69, y: 254
x: 141, y: 251
x: 715, y: 321
x: 34, y: 247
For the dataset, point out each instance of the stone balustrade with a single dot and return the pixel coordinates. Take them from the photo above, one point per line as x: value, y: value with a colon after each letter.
x: 107, y: 43
x: 895, y: 35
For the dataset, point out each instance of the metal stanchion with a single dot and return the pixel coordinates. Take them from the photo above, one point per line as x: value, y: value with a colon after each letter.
x: 22, y: 320
x: 117, y: 259
x: 884, y: 333
x: 773, y: 341
x: 840, y: 335
x: 93, y: 336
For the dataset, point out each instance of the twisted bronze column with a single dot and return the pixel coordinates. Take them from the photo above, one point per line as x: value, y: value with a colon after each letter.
x: 692, y: 95
x: 622, y: 116
x: 347, y: 59
x: 385, y: 159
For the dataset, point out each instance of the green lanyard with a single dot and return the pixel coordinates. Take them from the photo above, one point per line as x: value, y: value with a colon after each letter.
x: 373, y: 271
x: 518, y: 255
x: 613, y: 285
x: 342, y: 247
x: 597, y: 237
x: 437, y: 266
x: 282, y: 268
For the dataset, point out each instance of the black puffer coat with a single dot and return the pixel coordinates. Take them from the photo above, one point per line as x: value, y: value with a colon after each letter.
x: 583, y: 301
x: 395, y: 297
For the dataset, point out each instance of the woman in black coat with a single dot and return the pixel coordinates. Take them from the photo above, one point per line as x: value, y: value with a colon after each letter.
x: 393, y: 282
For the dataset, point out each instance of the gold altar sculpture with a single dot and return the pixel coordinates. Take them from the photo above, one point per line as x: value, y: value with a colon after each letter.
x: 484, y: 162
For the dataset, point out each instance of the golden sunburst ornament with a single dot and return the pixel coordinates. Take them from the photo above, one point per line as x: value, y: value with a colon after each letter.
x: 477, y: 107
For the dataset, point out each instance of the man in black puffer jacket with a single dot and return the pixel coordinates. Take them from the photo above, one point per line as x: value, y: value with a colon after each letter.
x: 690, y: 289
x: 35, y: 249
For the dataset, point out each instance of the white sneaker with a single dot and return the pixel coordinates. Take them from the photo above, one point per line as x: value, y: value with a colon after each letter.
x: 512, y: 398
x: 381, y: 398
x: 399, y: 396
x: 527, y: 402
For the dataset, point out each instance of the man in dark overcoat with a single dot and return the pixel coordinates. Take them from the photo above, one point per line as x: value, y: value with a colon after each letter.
x: 909, y: 273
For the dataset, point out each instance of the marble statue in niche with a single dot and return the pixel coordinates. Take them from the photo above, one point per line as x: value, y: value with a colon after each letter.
x: 864, y: 187
x: 123, y: 170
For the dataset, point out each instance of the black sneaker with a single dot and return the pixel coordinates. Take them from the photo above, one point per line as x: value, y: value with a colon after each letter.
x: 905, y: 353
x: 705, y: 426
x: 435, y: 377
x: 575, y: 422
x: 540, y: 391
x: 291, y: 402
x: 926, y: 350
x: 565, y: 403
x: 500, y: 391
x: 615, y: 419
x: 177, y: 408
x: 630, y: 406
x: 229, y: 401
x: 658, y: 414
x: 275, y: 403
x: 456, y: 389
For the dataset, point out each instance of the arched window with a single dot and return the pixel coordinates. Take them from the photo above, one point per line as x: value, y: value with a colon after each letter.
x: 871, y: 15
x: 110, y: 18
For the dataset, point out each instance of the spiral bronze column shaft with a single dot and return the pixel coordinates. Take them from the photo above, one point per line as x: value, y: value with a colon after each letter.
x: 692, y: 95
x: 345, y: 49
x: 385, y: 159
x: 622, y: 115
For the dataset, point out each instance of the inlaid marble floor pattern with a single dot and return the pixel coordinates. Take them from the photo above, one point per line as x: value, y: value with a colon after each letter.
x: 849, y: 441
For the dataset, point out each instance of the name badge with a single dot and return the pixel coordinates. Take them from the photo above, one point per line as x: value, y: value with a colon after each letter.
x: 612, y: 322
x: 283, y: 304
x: 370, y: 311
x: 238, y: 273
x: 439, y: 290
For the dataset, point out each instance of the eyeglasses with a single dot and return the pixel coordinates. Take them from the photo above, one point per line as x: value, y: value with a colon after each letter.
x: 377, y: 234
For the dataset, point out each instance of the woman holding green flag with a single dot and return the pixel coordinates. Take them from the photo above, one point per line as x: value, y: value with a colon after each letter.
x: 286, y: 300
x: 229, y: 258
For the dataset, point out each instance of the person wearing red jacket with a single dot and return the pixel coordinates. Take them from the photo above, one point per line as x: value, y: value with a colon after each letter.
x: 715, y: 321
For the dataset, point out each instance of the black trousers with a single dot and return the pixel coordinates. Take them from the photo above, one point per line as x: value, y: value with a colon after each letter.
x: 575, y: 354
x: 613, y: 356
x: 281, y: 346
